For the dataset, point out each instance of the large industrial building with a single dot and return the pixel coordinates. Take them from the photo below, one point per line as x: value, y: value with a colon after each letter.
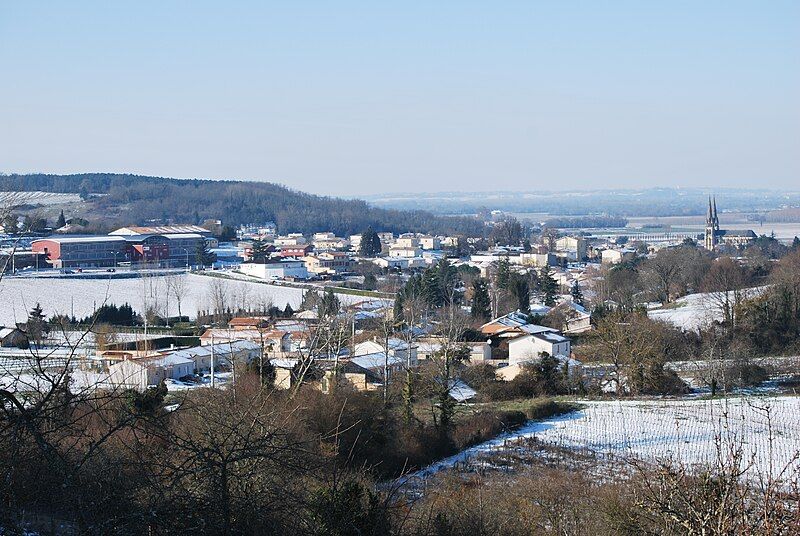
x: 164, y: 249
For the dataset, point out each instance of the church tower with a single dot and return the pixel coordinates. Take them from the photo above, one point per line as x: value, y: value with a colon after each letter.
x: 712, y: 224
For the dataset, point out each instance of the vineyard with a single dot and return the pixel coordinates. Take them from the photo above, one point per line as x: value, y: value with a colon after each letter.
x: 763, y: 433
x: 36, y: 198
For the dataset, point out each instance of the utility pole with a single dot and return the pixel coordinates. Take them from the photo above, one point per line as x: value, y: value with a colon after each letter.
x: 212, y: 360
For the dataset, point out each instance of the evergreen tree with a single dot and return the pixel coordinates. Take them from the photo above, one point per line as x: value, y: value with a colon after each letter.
x: 577, y: 295
x: 310, y: 300
x: 519, y: 288
x: 548, y: 286
x: 412, y: 288
x: 10, y: 223
x: 36, y: 327
x: 431, y: 290
x: 260, y: 251
x: 439, y: 283
x: 329, y: 305
x: 796, y: 243
x: 449, y: 281
x: 370, y: 243
x: 503, y: 273
x: 203, y: 255
x: 61, y: 221
x: 370, y: 282
x: 481, y: 304
x: 288, y: 312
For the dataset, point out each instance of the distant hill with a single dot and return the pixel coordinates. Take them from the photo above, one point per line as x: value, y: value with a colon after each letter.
x: 135, y: 199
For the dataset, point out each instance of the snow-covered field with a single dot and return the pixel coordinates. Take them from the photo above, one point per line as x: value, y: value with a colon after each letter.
x: 37, y: 198
x: 82, y: 296
x: 766, y: 430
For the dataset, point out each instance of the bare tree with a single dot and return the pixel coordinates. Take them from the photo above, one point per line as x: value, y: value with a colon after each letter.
x: 725, y: 284
x: 219, y: 297
x: 177, y: 287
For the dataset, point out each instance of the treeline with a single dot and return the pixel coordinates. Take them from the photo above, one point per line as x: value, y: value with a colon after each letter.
x: 237, y: 202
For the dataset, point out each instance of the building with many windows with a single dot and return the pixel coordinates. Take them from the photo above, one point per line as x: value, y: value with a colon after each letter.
x: 164, y: 250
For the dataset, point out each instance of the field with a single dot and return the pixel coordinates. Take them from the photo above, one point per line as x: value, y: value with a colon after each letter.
x: 80, y: 297
x: 36, y: 198
x: 766, y: 430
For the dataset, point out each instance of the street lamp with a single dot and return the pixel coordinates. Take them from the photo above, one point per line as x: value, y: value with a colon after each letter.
x: 187, y: 258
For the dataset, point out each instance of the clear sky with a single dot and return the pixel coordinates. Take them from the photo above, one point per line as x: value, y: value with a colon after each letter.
x: 357, y: 98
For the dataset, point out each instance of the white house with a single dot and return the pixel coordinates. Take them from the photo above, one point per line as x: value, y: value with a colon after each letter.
x: 403, y: 251
x: 293, y: 268
x: 292, y: 239
x: 479, y: 352
x: 406, y: 241
x: 222, y: 353
x: 539, y: 340
x: 572, y: 248
x: 397, y: 348
x: 508, y: 373
x: 616, y: 256
x: 429, y: 242
x: 146, y: 371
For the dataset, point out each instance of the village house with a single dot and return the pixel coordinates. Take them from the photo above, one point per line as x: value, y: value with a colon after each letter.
x: 292, y: 239
x: 329, y: 241
x: 429, y: 242
x: 296, y: 251
x: 352, y: 374
x: 573, y: 367
x: 224, y: 354
x: 520, y: 341
x: 12, y: 338
x: 142, y: 372
x: 328, y: 262
x: 257, y: 231
x: 479, y: 352
x: 404, y: 251
x: 273, y: 341
x: 396, y: 348
x: 572, y: 248
x: 407, y: 241
x: 617, y: 256
x: 577, y: 319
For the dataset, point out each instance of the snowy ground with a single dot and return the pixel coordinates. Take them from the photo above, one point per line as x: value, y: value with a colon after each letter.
x: 765, y: 429
x: 37, y: 198
x: 82, y: 296
x: 695, y: 311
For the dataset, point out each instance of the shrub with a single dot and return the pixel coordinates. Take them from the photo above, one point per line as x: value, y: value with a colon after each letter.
x: 486, y: 425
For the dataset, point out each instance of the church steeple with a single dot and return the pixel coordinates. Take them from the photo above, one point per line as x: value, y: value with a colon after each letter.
x: 716, y: 218
x: 712, y: 224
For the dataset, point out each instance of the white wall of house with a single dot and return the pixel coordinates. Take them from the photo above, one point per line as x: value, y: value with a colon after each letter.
x: 275, y: 270
x: 404, y: 252
x: 529, y: 347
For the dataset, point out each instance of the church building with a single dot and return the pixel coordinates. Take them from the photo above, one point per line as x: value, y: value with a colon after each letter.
x: 716, y: 237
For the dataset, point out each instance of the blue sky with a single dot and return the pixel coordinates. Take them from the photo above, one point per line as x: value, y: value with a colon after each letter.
x: 354, y: 98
